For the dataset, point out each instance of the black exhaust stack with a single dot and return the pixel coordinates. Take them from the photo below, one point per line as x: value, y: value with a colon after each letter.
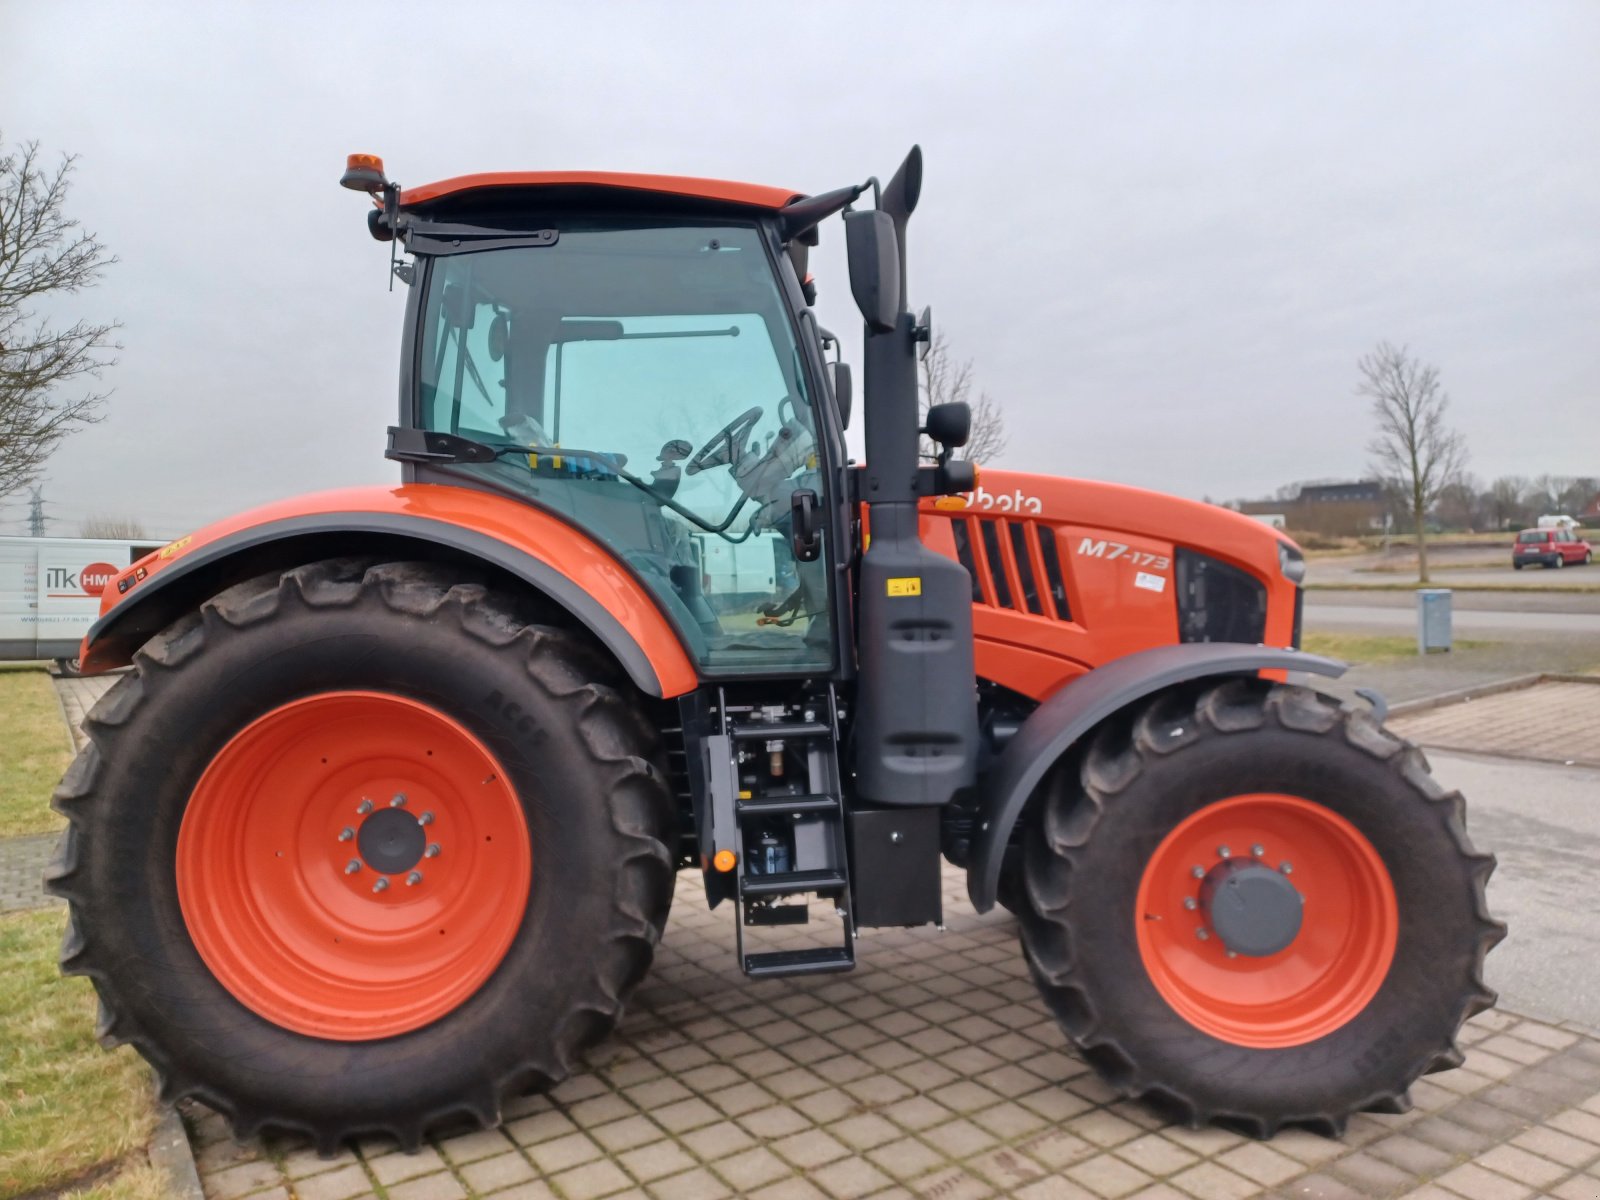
x: 916, y: 730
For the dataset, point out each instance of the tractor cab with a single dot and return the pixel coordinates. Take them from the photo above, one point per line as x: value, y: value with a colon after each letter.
x: 635, y: 363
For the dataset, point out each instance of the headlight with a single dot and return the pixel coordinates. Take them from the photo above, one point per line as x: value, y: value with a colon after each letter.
x: 1292, y: 563
x: 1218, y: 603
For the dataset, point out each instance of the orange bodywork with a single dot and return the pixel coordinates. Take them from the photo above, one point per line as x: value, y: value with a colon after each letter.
x: 554, y: 542
x: 1115, y: 547
x: 721, y: 190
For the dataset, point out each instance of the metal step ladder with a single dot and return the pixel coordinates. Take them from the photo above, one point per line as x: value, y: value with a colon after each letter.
x: 791, y: 837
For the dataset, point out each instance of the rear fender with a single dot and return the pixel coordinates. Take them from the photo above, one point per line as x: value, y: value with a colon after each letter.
x: 1062, y: 721
x: 419, y: 520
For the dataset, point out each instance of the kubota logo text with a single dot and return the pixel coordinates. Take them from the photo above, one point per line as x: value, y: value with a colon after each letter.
x: 1016, y: 501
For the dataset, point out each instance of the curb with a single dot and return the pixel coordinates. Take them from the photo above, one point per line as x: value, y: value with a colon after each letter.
x: 171, y: 1155
x: 61, y: 707
x: 1514, y: 684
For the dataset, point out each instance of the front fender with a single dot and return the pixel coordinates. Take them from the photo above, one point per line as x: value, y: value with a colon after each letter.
x: 549, y: 555
x: 1058, y: 724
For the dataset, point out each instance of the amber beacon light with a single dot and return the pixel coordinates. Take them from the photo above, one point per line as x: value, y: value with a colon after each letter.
x: 363, y: 173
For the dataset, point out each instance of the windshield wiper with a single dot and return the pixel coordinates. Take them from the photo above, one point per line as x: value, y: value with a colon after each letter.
x: 431, y: 446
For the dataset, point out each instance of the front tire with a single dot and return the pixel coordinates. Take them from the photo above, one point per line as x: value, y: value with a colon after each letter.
x: 1352, y: 975
x: 270, y: 760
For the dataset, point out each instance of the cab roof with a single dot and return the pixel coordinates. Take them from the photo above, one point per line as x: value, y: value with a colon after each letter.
x: 719, y: 191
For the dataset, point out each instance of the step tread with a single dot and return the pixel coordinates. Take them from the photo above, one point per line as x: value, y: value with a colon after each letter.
x: 798, y: 962
x: 793, y: 881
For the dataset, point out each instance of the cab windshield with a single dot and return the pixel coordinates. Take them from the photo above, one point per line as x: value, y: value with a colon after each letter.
x: 643, y: 381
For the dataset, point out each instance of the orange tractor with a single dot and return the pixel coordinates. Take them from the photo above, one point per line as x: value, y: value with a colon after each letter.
x: 383, y: 826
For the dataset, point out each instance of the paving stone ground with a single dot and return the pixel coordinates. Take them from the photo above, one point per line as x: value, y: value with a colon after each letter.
x: 1555, y: 721
x: 931, y: 1071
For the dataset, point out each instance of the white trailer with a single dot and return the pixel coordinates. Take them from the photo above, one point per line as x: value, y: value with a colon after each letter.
x: 50, y: 592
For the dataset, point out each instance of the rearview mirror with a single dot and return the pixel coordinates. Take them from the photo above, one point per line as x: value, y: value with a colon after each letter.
x: 874, y: 255
x: 839, y: 380
x: 949, y: 424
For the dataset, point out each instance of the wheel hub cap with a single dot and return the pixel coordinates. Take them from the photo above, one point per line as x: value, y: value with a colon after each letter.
x: 391, y: 841
x: 1255, y: 910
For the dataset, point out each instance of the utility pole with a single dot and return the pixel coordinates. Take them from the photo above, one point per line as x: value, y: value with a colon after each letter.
x: 36, y: 512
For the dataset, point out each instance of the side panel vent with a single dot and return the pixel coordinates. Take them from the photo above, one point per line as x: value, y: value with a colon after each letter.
x: 1051, y: 554
x: 964, y: 554
x: 997, y: 565
x: 1019, y: 549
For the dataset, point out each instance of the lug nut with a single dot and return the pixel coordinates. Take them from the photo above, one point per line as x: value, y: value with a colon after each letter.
x: 1233, y: 954
x: 413, y: 879
x: 1198, y: 872
x: 382, y: 885
x: 1258, y: 850
x: 399, y: 800
x: 1189, y: 903
x: 364, y: 807
x: 1202, y: 934
x: 351, y: 867
x: 1224, y: 852
x: 425, y: 819
x: 432, y: 851
x: 1286, y: 868
x: 346, y: 834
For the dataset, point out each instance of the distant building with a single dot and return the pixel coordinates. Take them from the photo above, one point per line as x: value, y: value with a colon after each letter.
x: 1334, y: 509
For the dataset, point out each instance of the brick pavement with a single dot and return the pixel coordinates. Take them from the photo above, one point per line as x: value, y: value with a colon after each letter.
x: 22, y: 864
x: 1555, y: 721
x: 931, y: 1071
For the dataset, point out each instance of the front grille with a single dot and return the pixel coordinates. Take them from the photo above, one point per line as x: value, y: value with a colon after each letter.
x: 1217, y: 602
x: 1013, y: 564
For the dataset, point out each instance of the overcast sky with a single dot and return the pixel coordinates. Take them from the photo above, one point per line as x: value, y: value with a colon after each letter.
x: 1165, y: 232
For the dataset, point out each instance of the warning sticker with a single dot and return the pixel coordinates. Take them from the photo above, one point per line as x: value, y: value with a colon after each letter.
x: 910, y: 585
x: 1152, y: 583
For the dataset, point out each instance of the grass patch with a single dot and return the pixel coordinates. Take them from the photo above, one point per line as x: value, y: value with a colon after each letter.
x: 33, y: 751
x: 1372, y: 649
x: 67, y: 1107
x: 1585, y: 589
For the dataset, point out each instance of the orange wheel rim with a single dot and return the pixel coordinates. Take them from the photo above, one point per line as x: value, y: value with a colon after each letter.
x: 353, y: 865
x: 1289, y: 851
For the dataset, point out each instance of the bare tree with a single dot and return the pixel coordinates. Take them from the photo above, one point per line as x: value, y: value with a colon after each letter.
x: 44, y: 255
x: 114, y: 529
x: 1414, y: 450
x: 1504, y: 501
x: 944, y: 381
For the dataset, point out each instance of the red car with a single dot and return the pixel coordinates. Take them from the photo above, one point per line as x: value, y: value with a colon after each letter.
x: 1550, y: 548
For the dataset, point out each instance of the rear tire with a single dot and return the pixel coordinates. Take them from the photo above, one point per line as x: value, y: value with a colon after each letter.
x: 1115, y: 962
x: 583, y: 784
x: 69, y: 668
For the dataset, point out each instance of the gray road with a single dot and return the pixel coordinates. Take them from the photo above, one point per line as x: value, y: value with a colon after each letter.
x: 1455, y: 566
x: 1543, y: 822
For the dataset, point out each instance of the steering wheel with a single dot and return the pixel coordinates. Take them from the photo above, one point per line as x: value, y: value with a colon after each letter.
x: 726, y: 445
